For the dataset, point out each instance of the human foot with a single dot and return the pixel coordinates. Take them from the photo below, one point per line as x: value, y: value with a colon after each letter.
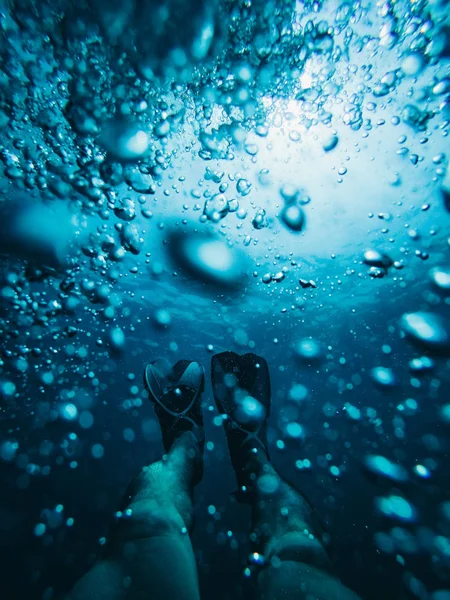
x: 241, y: 386
x: 176, y: 394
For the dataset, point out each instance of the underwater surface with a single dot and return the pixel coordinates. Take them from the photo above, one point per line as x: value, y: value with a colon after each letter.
x: 179, y: 178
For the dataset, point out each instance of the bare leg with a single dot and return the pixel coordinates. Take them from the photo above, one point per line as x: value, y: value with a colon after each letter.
x: 287, y: 533
x: 149, y: 552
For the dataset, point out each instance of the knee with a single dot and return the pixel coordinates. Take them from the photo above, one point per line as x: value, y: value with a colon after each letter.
x: 299, y: 547
x: 293, y: 580
x: 148, y: 518
x: 155, y: 505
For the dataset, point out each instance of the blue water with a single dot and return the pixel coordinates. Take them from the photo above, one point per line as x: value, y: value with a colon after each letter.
x: 119, y: 137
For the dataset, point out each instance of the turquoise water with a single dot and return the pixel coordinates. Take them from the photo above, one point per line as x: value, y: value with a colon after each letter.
x: 179, y: 179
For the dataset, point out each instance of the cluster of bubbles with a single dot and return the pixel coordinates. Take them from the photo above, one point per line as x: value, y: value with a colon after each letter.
x: 98, y: 102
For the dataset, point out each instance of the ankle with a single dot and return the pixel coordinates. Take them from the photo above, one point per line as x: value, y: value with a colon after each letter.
x: 185, y: 458
x: 253, y: 464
